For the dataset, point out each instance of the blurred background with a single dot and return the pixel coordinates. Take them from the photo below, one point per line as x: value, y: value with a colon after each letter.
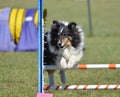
x: 103, y: 46
x: 19, y: 3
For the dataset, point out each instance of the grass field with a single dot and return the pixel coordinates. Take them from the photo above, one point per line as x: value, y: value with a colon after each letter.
x: 19, y: 3
x: 18, y: 71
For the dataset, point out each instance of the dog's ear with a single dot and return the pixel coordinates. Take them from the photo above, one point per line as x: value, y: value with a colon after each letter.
x: 55, y: 21
x: 55, y: 24
x: 72, y: 26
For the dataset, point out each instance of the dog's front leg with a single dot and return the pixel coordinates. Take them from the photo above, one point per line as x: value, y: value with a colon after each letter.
x: 61, y: 62
x: 71, y: 62
x: 51, y: 77
x: 62, y: 76
x: 74, y: 59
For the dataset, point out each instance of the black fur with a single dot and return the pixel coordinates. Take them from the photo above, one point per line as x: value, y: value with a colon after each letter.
x: 54, y: 33
x: 74, y: 34
x: 48, y: 57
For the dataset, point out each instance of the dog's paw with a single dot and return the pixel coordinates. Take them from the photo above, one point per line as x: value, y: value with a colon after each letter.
x: 70, y: 65
x: 61, y: 66
x: 73, y: 60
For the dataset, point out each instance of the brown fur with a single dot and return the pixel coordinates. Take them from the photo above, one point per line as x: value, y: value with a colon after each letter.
x: 66, y: 41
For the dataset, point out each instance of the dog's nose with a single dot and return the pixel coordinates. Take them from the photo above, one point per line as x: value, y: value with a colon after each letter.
x: 59, y: 44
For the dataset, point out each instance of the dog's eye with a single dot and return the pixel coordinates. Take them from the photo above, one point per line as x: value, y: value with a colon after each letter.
x: 66, y: 34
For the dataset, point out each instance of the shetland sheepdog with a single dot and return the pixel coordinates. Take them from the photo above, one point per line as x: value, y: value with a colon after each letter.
x: 64, y: 46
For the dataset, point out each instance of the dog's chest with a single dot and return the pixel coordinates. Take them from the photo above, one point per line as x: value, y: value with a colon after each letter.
x: 67, y: 52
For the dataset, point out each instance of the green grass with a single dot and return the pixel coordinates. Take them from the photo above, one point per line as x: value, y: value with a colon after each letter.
x: 18, y: 70
x: 18, y: 74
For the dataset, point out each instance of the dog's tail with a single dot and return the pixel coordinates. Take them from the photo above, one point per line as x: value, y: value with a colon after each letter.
x: 45, y: 14
x: 45, y: 18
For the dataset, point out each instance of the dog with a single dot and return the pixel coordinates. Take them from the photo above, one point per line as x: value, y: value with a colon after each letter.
x: 64, y: 46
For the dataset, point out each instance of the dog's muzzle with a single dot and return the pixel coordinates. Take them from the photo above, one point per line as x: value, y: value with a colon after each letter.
x: 60, y: 45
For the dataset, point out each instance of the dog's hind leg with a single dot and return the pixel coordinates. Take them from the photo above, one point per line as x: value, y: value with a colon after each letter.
x: 51, y: 78
x: 62, y: 76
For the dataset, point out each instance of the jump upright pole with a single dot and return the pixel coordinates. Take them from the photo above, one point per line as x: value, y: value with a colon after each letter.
x: 40, y: 52
x: 40, y: 47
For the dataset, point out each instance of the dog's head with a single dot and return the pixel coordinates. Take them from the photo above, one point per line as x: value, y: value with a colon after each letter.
x: 65, y: 34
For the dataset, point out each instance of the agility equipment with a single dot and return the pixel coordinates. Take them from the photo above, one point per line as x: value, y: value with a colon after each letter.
x: 83, y: 87
x: 29, y: 35
x: 40, y: 54
x: 6, y: 41
x: 0, y: 9
x: 85, y: 66
x: 44, y: 95
x: 36, y: 18
x: 19, y: 22
x: 12, y: 22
